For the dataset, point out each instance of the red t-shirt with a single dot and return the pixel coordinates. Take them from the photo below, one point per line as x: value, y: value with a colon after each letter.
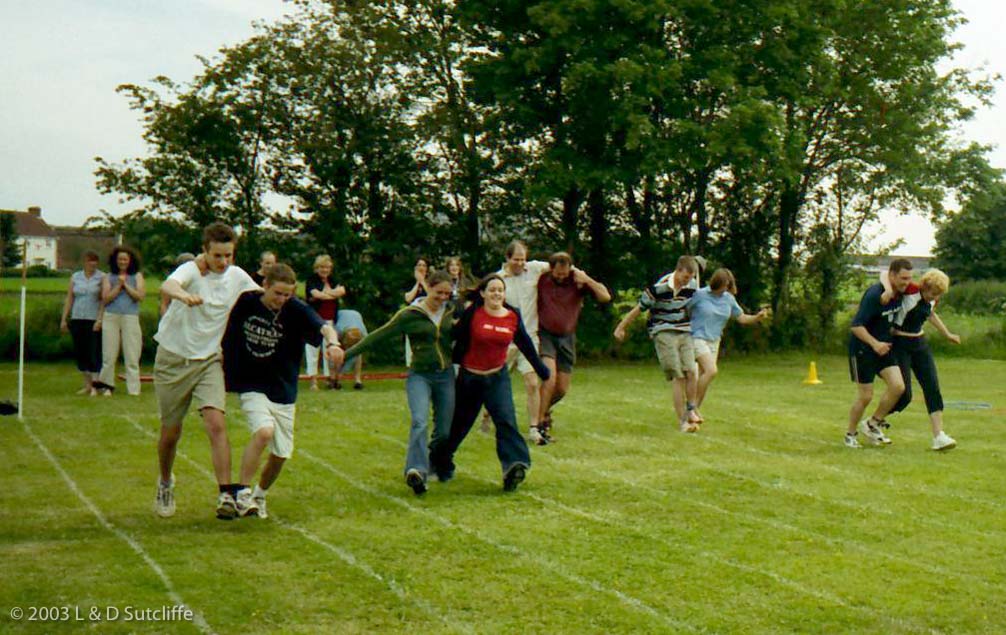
x: 559, y: 304
x: 490, y: 338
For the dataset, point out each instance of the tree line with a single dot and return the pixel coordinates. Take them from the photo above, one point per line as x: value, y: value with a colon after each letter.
x: 762, y: 134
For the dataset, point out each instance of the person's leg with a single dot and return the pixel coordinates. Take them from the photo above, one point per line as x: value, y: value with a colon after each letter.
x: 891, y: 375
x: 548, y: 388
x: 220, y: 448
x: 707, y: 373
x: 924, y: 366
x: 132, y: 345
x: 562, y: 384
x: 510, y: 446
x: 443, y: 404
x: 167, y: 447
x: 679, y: 386
x: 311, y: 360
x: 903, y: 356
x: 270, y: 472
x: 864, y: 395
x: 358, y: 372
x: 533, y: 397
x: 469, y: 390
x: 252, y: 457
x: 671, y: 363
x: 110, y: 339
x: 418, y: 392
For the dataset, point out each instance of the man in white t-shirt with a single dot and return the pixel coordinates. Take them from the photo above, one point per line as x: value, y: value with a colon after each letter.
x: 188, y: 362
x: 521, y: 278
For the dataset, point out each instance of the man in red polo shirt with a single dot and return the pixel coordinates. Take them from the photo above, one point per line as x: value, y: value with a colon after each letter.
x: 560, y: 299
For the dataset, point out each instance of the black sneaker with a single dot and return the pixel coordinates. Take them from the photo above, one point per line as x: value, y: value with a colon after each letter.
x: 513, y: 477
x: 415, y: 480
x: 358, y: 385
x: 334, y: 384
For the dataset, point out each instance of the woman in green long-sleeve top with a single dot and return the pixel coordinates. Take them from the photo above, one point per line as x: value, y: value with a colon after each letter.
x: 427, y: 322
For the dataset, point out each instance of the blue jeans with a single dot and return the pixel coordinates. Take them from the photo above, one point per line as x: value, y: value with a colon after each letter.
x: 422, y: 389
x: 474, y: 391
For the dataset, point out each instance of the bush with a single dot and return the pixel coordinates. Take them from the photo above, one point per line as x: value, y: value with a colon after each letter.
x: 980, y: 297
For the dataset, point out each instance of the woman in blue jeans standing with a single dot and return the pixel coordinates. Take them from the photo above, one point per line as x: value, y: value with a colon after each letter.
x: 427, y: 322
x: 482, y: 337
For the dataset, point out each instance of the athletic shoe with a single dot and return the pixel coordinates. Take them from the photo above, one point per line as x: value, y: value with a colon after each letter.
x: 537, y: 437
x: 943, y: 441
x: 414, y: 479
x: 246, y: 504
x: 164, y: 501
x: 227, y: 509
x: 358, y: 385
x: 260, y: 503
x: 687, y: 426
x: 851, y: 441
x: 873, y: 433
x: 513, y: 477
x: 334, y: 384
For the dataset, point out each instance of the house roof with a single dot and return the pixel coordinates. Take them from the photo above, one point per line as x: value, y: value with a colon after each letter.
x: 29, y: 225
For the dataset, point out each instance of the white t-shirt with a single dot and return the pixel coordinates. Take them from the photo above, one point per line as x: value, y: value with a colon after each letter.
x: 194, y: 332
x: 522, y: 292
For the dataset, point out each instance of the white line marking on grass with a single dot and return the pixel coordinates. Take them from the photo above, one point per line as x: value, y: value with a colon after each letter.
x: 543, y: 563
x: 197, y: 617
x: 781, y: 580
x: 344, y: 555
x: 993, y: 535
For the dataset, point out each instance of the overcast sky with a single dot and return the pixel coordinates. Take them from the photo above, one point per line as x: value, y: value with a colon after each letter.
x: 63, y: 59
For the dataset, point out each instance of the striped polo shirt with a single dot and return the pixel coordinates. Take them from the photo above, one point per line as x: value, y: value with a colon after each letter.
x: 667, y: 305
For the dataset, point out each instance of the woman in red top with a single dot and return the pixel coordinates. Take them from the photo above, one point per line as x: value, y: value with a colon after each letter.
x: 322, y: 295
x: 481, y: 339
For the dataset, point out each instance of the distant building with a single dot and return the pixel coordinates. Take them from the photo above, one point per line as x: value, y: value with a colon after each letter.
x: 74, y: 241
x: 42, y: 240
x: 873, y: 264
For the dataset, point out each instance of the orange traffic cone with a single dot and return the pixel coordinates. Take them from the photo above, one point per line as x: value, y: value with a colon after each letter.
x: 812, y: 376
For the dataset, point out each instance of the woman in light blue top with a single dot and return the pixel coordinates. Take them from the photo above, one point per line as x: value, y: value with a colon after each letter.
x: 710, y: 309
x: 122, y: 291
x: 82, y: 320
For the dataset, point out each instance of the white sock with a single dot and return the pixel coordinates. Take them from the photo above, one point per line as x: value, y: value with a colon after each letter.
x: 259, y: 492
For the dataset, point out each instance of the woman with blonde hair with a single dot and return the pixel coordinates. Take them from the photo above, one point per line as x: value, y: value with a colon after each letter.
x: 912, y: 352
x: 322, y: 295
x: 710, y: 309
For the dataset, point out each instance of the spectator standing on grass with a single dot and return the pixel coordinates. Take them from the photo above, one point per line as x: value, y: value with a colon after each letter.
x: 560, y: 300
x: 262, y: 346
x: 669, y: 326
x: 870, y: 355
x: 710, y: 308
x: 428, y: 322
x: 265, y: 260
x: 122, y: 290
x: 460, y: 281
x: 482, y: 337
x: 911, y: 349
x: 81, y: 318
x: 322, y: 295
x: 188, y: 364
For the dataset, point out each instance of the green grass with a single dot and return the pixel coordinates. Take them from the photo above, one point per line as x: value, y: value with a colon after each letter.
x: 762, y: 522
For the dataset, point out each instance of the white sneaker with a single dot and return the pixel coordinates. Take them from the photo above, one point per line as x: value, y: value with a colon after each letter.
x: 246, y: 504
x: 688, y: 426
x: 164, y: 501
x: 851, y: 441
x: 873, y: 433
x: 537, y: 437
x: 260, y: 503
x: 943, y: 441
x: 227, y: 509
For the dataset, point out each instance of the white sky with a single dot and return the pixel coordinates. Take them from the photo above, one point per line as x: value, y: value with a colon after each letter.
x: 63, y: 59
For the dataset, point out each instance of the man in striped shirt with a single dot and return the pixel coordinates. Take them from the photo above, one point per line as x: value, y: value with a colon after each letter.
x: 669, y: 328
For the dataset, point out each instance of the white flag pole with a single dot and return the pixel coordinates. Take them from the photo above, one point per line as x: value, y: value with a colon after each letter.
x: 20, y: 365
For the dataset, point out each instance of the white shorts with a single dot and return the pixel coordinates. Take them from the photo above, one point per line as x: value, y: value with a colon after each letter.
x: 262, y: 413
x: 514, y: 356
x: 707, y: 347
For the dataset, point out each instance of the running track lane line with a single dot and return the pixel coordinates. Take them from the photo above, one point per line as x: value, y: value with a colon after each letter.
x: 197, y: 617
x: 544, y: 563
x: 346, y: 556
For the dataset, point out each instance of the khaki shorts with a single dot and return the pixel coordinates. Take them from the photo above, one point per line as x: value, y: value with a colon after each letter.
x: 177, y: 381
x: 675, y: 353
x: 514, y: 356
x: 707, y: 347
x: 263, y: 413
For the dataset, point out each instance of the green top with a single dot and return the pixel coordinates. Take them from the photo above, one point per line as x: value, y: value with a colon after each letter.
x: 431, y: 343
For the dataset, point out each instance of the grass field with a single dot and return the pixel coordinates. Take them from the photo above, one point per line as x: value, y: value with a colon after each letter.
x: 763, y: 522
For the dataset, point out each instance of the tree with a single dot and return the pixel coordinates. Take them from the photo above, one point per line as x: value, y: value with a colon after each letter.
x: 969, y: 244
x: 10, y: 255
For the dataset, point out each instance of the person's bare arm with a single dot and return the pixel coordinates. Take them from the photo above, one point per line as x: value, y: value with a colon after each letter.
x: 942, y: 328
x: 626, y: 321
x: 67, y: 303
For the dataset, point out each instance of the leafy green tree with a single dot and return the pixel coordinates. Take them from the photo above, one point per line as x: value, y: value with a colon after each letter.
x: 9, y: 255
x: 969, y: 244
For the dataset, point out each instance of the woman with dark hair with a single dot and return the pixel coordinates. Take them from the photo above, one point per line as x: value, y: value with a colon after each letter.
x: 122, y: 290
x: 428, y: 324
x: 419, y: 273
x: 82, y: 319
x: 482, y: 336
x: 460, y: 282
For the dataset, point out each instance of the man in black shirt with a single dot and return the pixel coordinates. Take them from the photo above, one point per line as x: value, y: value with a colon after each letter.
x: 870, y: 355
x: 262, y: 348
